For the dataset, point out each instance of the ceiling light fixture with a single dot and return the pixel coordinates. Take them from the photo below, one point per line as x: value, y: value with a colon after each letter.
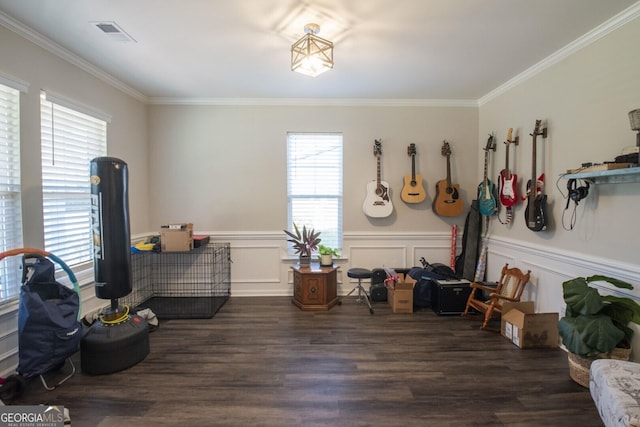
x: 311, y: 55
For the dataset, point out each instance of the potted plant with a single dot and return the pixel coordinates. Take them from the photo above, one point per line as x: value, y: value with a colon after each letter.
x: 595, y: 326
x: 304, y: 243
x: 326, y: 254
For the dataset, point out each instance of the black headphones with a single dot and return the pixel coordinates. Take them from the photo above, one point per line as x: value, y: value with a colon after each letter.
x: 576, y: 193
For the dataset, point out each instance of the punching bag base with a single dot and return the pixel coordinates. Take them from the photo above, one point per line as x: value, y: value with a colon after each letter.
x: 109, y: 348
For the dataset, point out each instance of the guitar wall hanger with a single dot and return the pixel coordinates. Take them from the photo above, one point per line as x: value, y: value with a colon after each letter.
x: 542, y: 133
x: 514, y: 141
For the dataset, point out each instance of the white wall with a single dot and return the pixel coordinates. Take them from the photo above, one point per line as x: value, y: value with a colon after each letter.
x: 584, y: 100
x: 223, y: 168
x: 126, y: 138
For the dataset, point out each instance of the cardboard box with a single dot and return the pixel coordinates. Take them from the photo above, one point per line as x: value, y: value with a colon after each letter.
x: 176, y: 237
x: 527, y: 329
x: 400, y: 295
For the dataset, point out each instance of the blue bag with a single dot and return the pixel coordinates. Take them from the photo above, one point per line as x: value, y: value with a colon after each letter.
x: 48, y: 326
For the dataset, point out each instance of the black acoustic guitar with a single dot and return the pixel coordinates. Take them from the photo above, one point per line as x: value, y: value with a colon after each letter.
x: 536, y: 199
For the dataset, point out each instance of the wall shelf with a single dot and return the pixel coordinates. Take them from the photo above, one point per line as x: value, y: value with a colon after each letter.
x: 614, y: 176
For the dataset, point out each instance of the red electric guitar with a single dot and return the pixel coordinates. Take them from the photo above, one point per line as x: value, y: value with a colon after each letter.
x: 508, y: 181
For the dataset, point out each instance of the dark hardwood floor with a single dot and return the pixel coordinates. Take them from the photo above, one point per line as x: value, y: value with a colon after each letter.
x: 263, y: 362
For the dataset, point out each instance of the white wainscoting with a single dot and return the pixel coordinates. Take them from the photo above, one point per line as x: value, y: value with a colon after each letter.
x: 549, y: 268
x: 261, y: 267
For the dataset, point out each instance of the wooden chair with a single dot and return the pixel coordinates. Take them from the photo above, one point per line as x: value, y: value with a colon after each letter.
x: 509, y: 288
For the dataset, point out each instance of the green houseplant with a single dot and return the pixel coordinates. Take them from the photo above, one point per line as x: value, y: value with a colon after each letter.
x: 326, y: 254
x: 594, y: 325
x: 303, y: 243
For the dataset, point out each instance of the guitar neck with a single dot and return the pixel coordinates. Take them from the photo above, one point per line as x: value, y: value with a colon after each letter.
x: 486, y: 168
x: 448, y: 171
x: 378, y: 173
x: 507, y: 172
x: 508, y: 143
x: 533, y: 190
x: 413, y: 167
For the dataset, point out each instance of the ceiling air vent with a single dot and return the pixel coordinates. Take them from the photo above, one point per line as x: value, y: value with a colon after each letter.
x: 113, y: 31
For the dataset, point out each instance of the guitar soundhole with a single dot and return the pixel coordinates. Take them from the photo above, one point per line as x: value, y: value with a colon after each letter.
x: 379, y: 192
x: 454, y: 194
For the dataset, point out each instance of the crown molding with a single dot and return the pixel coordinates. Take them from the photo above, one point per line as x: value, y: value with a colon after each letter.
x: 592, y: 36
x: 49, y: 45
x: 316, y: 102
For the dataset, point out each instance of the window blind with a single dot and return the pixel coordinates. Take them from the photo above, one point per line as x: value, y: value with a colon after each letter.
x: 314, y: 184
x: 10, y: 204
x: 70, y: 140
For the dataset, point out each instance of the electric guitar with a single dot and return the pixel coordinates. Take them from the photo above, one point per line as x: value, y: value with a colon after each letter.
x: 447, y: 201
x: 377, y: 203
x: 487, y: 204
x: 413, y: 191
x: 536, y: 199
x: 508, y: 181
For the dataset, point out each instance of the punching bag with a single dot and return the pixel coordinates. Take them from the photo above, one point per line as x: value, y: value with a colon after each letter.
x: 110, y: 227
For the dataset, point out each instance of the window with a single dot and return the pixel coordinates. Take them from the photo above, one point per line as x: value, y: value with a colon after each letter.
x: 70, y: 140
x: 314, y: 184
x: 10, y: 205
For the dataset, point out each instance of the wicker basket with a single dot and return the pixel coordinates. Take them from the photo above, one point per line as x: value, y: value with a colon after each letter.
x: 579, y: 366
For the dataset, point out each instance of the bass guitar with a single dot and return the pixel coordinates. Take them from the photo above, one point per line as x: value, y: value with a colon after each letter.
x: 508, y: 181
x: 377, y: 203
x: 447, y: 201
x: 413, y: 190
x: 487, y: 204
x: 536, y: 199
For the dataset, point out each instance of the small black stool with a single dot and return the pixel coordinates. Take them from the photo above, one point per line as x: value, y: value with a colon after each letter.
x: 360, y: 273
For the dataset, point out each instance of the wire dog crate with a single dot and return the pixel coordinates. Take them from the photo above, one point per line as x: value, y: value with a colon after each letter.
x: 182, y: 285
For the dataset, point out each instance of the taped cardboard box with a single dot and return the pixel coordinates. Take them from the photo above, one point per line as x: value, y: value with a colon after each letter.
x: 525, y: 328
x: 400, y: 294
x: 176, y: 237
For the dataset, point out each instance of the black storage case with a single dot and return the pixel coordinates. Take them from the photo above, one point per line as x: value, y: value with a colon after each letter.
x: 449, y: 296
x: 378, y: 290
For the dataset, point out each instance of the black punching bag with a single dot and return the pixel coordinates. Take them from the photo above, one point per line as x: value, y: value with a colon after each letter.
x: 110, y: 227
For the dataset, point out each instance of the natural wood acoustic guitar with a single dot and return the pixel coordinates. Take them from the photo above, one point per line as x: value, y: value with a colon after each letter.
x: 413, y: 190
x: 447, y: 201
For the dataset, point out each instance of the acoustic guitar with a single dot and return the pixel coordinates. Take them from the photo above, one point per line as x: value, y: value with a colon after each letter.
x: 536, y: 199
x: 377, y: 203
x: 487, y: 203
x: 447, y: 201
x: 413, y: 190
